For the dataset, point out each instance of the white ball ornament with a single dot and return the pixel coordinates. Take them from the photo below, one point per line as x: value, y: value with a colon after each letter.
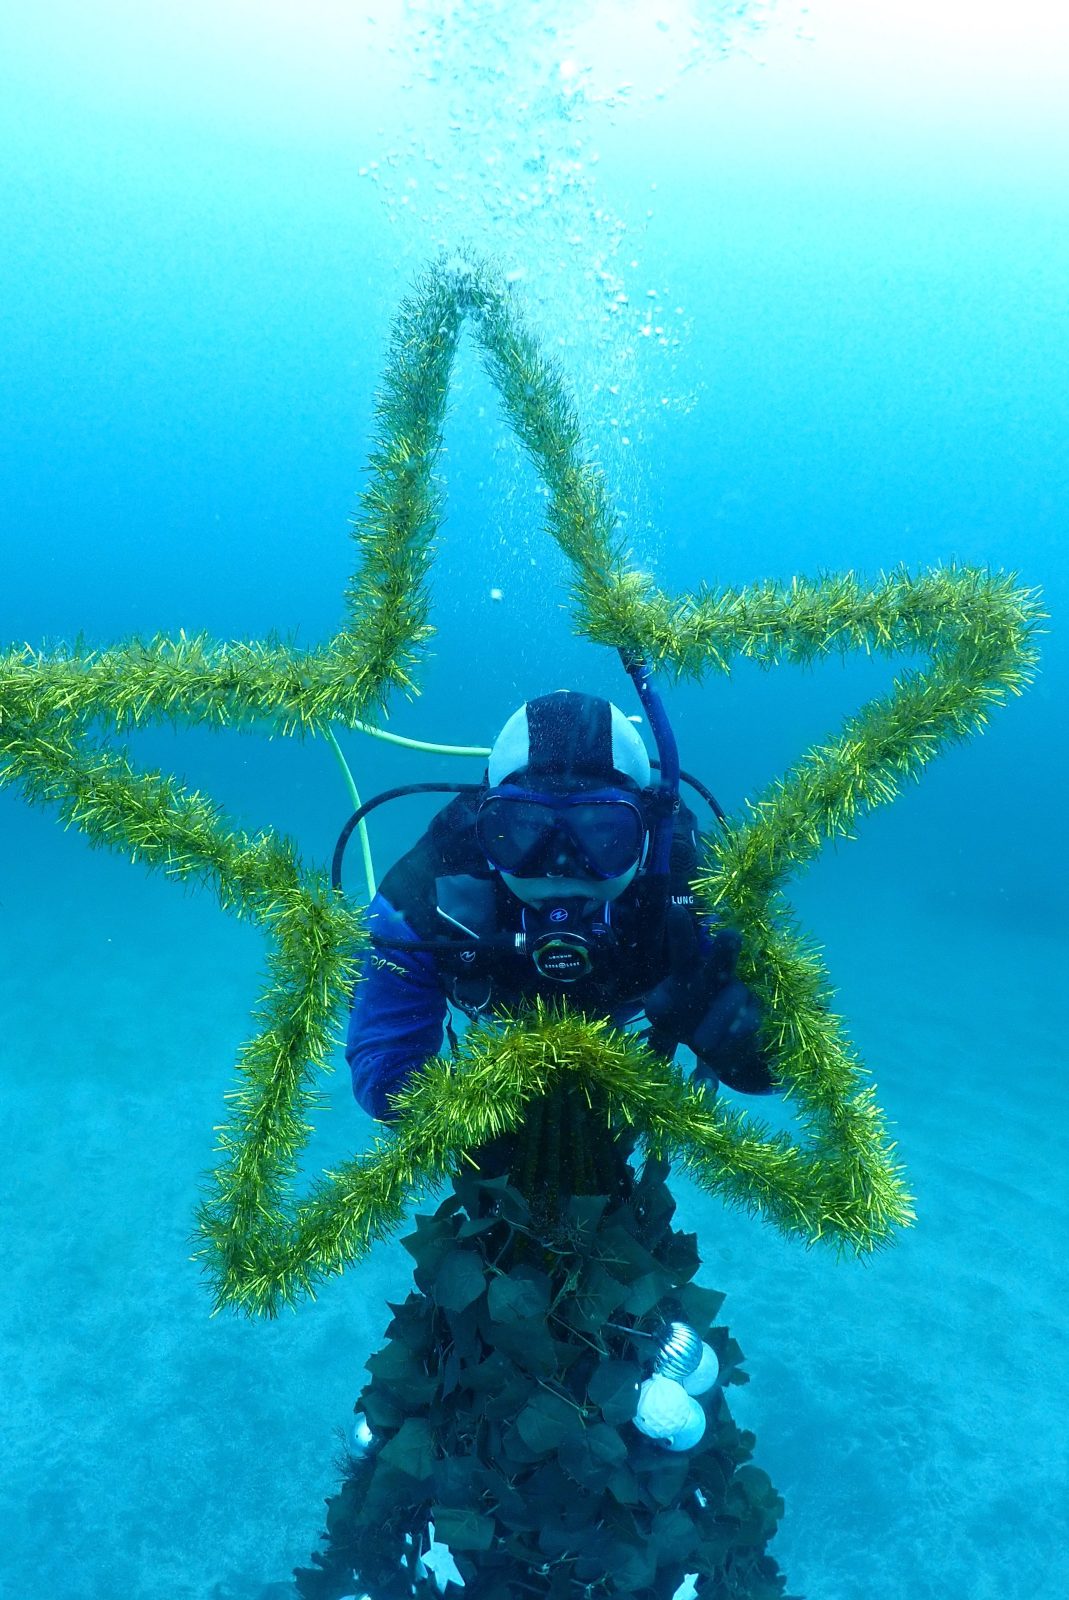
x: 705, y: 1373
x: 663, y: 1408
x: 694, y: 1426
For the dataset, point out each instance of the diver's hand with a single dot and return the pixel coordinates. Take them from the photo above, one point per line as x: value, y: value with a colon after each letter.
x: 727, y: 1045
x: 677, y: 1005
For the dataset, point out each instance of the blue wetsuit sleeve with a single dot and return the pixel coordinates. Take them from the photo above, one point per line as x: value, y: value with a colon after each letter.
x: 396, y: 1023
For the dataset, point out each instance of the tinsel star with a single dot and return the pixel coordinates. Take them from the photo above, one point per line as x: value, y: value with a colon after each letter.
x: 259, y: 1248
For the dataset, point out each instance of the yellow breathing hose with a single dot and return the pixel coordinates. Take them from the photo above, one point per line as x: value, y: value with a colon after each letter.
x: 391, y: 738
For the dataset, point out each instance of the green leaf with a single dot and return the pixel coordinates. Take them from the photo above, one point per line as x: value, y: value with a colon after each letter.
x: 515, y: 1453
x: 461, y: 1529
x: 464, y: 1329
x: 498, y: 1386
x: 597, y: 1296
x: 647, y: 1292
x: 504, y: 1403
x: 631, y: 1566
x: 751, y: 1507
x: 569, y: 1354
x: 411, y: 1450
x: 592, y: 1456
x: 455, y: 1479
x: 623, y: 1486
x: 431, y: 1241
x: 344, y: 1507
x: 529, y: 1344
x: 389, y: 1488
x: 490, y: 1374
x: 412, y: 1323
x: 523, y: 1293
x: 555, y: 1541
x: 757, y: 1486
x: 680, y: 1256
x: 510, y: 1507
x: 729, y: 1356
x: 614, y: 1387
x: 396, y: 1365
x: 700, y: 1307
x: 666, y: 1478
x: 381, y: 1409
x: 568, y: 1529
x: 394, y: 1357
x: 498, y: 1192
x: 713, y: 1471
x: 546, y: 1421
x: 626, y: 1258
x: 450, y: 1374
x: 652, y: 1201
x: 673, y: 1535
x: 476, y: 1225
x: 460, y: 1279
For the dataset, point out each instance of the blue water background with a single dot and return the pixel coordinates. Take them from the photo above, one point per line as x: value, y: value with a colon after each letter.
x: 196, y: 290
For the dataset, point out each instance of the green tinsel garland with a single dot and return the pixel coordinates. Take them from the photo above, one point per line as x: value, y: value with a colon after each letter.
x: 260, y: 1248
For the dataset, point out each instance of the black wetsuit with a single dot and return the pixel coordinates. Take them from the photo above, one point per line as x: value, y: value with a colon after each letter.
x: 677, y: 967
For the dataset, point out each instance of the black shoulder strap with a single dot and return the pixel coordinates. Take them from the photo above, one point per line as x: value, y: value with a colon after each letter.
x: 683, y: 861
x: 447, y: 850
x: 466, y: 904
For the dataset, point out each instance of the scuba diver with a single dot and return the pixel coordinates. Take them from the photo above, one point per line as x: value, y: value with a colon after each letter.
x: 551, y: 1275
x: 566, y: 873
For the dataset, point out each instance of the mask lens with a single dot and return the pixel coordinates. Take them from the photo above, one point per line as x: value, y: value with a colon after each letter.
x: 531, y: 837
x: 513, y: 831
x: 608, y: 835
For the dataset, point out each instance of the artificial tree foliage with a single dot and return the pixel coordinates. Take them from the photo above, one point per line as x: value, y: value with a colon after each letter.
x: 63, y: 711
x: 502, y: 1403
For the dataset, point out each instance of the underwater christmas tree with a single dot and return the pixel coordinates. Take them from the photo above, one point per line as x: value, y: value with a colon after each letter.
x: 554, y: 1303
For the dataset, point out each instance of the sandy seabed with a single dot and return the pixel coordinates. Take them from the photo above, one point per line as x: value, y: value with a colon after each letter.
x: 910, y: 1410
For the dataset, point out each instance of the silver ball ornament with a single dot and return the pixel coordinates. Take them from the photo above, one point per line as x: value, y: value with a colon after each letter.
x: 360, y: 1437
x: 679, y: 1351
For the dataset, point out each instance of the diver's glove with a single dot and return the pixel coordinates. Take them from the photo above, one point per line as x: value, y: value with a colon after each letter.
x: 726, y: 1042
x: 703, y: 1005
x: 701, y: 965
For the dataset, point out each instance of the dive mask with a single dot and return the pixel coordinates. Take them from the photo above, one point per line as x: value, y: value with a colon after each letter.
x: 593, y: 833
